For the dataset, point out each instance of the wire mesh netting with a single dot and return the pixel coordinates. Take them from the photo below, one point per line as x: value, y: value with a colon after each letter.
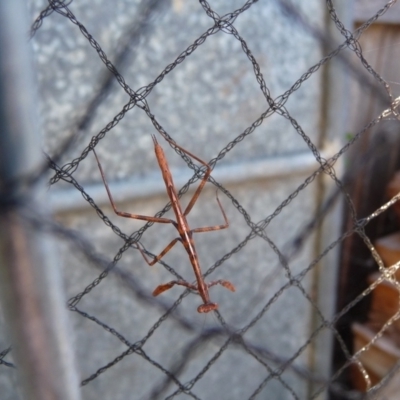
x: 269, y: 338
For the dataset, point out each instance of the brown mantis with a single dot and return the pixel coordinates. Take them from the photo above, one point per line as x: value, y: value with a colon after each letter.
x: 181, y: 225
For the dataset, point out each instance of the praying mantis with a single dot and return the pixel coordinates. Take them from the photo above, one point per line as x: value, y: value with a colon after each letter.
x: 181, y: 225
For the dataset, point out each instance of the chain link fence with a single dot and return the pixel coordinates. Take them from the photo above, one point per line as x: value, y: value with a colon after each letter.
x: 262, y: 342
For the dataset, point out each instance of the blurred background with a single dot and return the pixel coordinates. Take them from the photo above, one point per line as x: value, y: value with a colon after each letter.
x: 293, y: 104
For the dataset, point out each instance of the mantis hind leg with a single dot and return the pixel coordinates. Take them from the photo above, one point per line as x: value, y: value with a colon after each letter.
x: 203, y: 308
x: 161, y: 255
x: 225, y: 284
x: 166, y: 286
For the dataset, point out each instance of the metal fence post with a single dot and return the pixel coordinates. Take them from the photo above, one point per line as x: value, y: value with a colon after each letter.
x: 30, y: 277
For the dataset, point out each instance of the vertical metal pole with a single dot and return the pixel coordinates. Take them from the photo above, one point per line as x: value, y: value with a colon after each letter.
x: 30, y: 277
x: 325, y: 273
